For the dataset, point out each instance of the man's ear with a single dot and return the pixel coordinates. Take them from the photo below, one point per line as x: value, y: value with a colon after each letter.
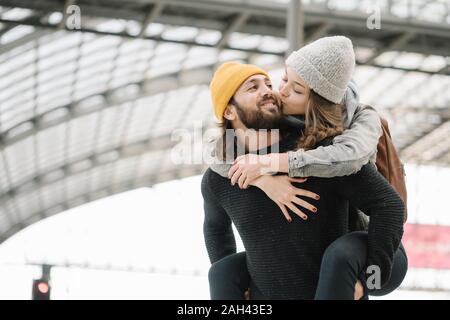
x: 230, y: 113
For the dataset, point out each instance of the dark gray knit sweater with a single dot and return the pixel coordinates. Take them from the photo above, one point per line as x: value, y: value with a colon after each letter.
x: 284, y: 258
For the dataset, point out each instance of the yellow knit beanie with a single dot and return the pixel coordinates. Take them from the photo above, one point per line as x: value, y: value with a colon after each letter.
x: 226, y: 81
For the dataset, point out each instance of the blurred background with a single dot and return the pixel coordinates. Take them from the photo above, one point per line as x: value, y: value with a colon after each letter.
x: 93, y: 92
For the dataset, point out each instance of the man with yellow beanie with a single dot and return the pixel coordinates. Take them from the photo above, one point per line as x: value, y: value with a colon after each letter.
x: 242, y: 94
x: 243, y: 98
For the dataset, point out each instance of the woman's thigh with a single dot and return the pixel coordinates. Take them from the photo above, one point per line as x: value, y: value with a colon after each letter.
x: 352, y: 248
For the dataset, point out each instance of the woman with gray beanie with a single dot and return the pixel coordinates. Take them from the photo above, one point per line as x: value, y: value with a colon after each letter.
x: 318, y: 97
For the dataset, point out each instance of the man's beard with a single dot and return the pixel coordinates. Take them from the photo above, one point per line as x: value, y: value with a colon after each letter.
x: 260, y: 119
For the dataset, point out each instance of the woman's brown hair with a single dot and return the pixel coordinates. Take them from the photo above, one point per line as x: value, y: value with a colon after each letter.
x: 323, y: 120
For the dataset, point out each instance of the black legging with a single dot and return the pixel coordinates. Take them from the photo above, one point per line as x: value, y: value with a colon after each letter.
x: 341, y: 264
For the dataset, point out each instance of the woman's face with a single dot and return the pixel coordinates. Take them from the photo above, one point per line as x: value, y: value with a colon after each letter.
x: 294, y: 93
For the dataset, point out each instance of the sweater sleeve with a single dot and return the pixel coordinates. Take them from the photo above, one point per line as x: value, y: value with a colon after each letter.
x: 348, y: 153
x: 369, y: 191
x: 221, y: 168
x: 217, y: 227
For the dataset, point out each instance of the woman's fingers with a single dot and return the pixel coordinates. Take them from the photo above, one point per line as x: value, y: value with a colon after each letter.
x: 299, y: 180
x: 283, y: 209
x: 304, y: 204
x: 296, y: 210
x: 306, y: 193
x: 241, y: 180
x: 232, y: 171
x: 236, y: 176
x: 246, y: 182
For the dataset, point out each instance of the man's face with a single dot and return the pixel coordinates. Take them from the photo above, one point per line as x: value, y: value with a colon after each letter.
x: 256, y: 105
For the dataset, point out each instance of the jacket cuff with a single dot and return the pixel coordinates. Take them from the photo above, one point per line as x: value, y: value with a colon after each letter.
x: 296, y: 163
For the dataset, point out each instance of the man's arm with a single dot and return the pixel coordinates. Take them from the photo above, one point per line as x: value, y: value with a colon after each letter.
x: 369, y: 191
x: 348, y: 153
x: 217, y: 228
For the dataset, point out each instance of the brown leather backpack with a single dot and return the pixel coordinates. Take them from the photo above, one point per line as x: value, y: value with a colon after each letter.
x: 389, y: 164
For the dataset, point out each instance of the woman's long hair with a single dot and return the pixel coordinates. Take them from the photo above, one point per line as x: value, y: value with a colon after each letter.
x: 323, y: 120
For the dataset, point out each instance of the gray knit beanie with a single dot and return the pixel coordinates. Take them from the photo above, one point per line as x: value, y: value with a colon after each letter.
x: 326, y: 65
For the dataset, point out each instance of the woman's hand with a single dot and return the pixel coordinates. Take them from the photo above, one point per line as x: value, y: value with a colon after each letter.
x: 284, y: 194
x: 359, y: 290
x: 247, y: 294
x: 247, y: 168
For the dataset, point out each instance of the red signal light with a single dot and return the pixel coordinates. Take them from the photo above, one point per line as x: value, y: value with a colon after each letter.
x: 43, y: 287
